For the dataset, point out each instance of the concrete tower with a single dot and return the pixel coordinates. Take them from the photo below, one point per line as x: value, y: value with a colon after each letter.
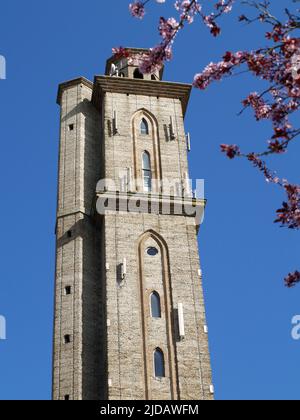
x: 129, y: 310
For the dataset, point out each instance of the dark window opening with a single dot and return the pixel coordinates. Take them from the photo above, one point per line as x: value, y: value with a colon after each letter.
x: 159, y: 364
x: 68, y: 290
x: 153, y: 77
x: 144, y: 127
x: 67, y: 339
x: 71, y: 127
x: 69, y: 234
x: 137, y: 74
x: 155, y: 305
x: 67, y: 397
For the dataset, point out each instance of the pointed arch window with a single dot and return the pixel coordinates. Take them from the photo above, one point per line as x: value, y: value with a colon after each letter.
x: 155, y: 305
x: 159, y: 364
x: 144, y: 127
x: 147, y: 173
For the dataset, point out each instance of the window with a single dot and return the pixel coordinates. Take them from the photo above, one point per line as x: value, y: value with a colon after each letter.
x: 155, y: 305
x: 69, y: 234
x: 147, y: 174
x: 68, y: 290
x: 153, y: 77
x: 159, y: 364
x: 137, y: 74
x: 67, y: 397
x: 71, y: 127
x: 144, y: 127
x: 67, y: 339
x: 152, y: 251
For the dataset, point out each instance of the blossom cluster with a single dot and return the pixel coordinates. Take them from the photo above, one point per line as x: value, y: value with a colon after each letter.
x: 289, y: 214
x: 275, y: 68
x: 188, y: 10
x: 292, y: 279
x: 221, y: 7
x: 137, y: 9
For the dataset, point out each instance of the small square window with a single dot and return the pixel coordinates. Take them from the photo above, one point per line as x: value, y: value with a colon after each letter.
x: 68, y: 290
x: 71, y: 127
x: 67, y: 339
x: 67, y: 397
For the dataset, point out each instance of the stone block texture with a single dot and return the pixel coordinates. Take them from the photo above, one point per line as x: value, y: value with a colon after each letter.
x: 105, y: 335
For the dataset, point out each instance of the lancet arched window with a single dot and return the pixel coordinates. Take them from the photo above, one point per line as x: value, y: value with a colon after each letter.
x: 144, y: 127
x: 159, y: 364
x: 155, y: 305
x: 147, y: 173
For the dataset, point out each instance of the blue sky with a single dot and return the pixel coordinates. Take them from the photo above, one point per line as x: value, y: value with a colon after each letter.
x: 244, y: 255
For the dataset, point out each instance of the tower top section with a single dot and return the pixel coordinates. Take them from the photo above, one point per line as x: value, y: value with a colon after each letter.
x: 122, y: 75
x: 127, y: 65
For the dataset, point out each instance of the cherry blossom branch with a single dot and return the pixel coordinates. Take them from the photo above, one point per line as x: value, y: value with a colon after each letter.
x: 169, y: 28
x: 278, y: 65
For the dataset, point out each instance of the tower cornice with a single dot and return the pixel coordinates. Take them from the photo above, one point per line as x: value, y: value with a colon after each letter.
x: 70, y: 83
x: 103, y: 84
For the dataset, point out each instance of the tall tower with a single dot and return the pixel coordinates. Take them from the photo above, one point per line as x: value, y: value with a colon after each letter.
x: 129, y: 310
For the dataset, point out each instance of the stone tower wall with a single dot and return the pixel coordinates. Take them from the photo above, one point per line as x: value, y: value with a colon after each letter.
x: 78, y: 365
x: 104, y: 334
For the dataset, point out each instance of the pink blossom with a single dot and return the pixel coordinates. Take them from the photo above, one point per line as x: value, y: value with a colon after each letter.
x: 154, y: 61
x: 289, y: 214
x: 137, y: 9
x: 292, y: 279
x: 231, y: 150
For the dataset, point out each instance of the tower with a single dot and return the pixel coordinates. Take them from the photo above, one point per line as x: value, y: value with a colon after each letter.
x: 129, y: 310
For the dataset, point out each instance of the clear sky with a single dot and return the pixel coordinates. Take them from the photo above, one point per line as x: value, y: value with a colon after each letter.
x: 244, y: 255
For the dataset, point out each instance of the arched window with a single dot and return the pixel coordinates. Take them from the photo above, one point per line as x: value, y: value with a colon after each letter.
x: 159, y: 364
x: 147, y: 174
x: 155, y: 305
x: 137, y: 74
x: 144, y: 127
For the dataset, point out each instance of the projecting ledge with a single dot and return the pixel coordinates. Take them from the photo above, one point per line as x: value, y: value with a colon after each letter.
x: 125, y: 202
x: 103, y: 84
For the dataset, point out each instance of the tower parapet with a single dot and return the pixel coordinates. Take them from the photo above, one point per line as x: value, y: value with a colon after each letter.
x: 128, y: 65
